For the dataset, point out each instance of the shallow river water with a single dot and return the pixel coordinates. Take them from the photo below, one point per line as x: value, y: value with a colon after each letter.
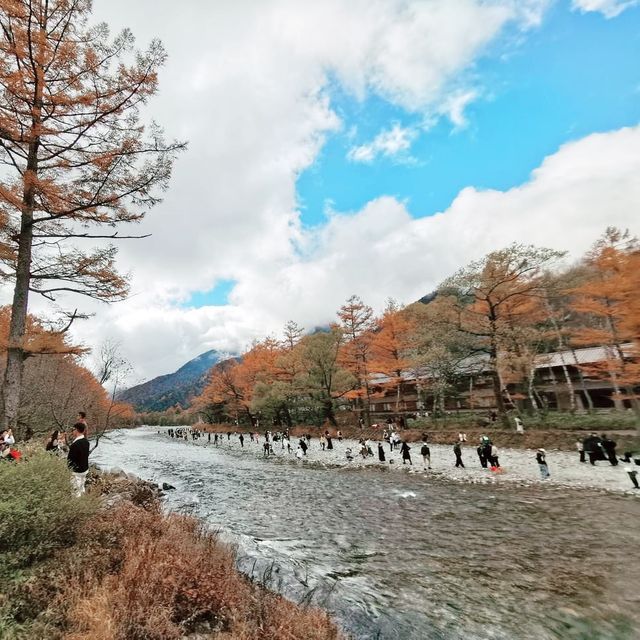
x: 394, y: 556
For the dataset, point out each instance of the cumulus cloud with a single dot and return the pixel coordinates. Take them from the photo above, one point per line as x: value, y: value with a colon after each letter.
x: 394, y: 142
x: 609, y: 8
x: 383, y: 251
x: 249, y: 84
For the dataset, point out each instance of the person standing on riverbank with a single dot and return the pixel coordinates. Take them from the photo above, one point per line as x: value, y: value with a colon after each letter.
x: 404, y: 452
x: 633, y: 476
x: 593, y: 448
x: 323, y: 442
x: 457, y: 450
x: 609, y: 447
x: 426, y: 456
x: 329, y: 442
x: 242, y: 441
x: 580, y: 448
x: 483, y: 458
x: 495, y: 464
x: 541, y: 458
x: 381, y: 456
x: 78, y: 458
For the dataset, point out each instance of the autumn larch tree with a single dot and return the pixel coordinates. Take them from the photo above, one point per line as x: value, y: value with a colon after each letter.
x: 391, y: 346
x: 75, y: 154
x: 357, y: 324
x: 494, y: 295
x: 609, y: 299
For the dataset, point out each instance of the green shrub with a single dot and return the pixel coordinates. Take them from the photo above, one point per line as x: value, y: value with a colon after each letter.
x: 38, y: 512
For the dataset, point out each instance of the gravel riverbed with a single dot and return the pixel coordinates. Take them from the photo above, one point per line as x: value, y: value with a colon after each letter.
x: 517, y: 466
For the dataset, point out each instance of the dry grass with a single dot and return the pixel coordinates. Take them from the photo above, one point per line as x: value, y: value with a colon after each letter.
x: 142, y: 575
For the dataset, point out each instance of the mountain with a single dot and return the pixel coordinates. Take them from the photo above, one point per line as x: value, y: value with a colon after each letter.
x: 178, y: 387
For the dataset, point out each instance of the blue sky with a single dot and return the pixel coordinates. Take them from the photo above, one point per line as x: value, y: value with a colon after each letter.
x: 577, y: 74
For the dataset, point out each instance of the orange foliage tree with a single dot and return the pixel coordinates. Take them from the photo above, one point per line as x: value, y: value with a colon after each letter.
x: 357, y: 324
x: 492, y: 300
x: 391, y: 346
x: 75, y: 157
x: 608, y: 301
x: 56, y: 384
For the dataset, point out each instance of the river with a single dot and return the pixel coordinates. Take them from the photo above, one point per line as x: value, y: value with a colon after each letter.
x: 394, y: 556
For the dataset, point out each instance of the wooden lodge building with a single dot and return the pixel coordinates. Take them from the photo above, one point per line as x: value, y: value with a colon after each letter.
x: 473, y: 387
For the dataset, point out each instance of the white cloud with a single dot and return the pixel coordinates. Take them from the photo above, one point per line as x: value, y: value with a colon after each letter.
x: 609, y: 8
x: 249, y: 85
x: 383, y: 251
x: 454, y: 105
x: 391, y: 143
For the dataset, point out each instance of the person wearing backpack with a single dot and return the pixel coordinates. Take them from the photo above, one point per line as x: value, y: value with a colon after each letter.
x: 426, y: 456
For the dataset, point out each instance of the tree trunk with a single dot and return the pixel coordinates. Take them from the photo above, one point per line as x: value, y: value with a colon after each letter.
x: 327, y: 410
x: 583, y: 386
x: 12, y: 385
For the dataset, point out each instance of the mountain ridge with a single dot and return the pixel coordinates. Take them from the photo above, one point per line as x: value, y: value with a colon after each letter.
x: 167, y: 390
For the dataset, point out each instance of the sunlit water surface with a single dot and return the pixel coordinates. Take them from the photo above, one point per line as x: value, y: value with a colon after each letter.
x: 393, y: 555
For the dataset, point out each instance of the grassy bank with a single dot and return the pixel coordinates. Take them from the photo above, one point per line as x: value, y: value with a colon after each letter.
x: 112, y: 566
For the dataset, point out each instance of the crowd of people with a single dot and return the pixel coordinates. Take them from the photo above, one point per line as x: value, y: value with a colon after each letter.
x: 595, y: 448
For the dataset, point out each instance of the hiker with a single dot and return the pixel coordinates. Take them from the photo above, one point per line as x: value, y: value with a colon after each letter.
x: 8, y: 437
x: 52, y: 442
x: 425, y: 452
x: 242, y: 441
x: 381, y: 452
x: 609, y: 447
x: 519, y: 425
x: 404, y: 451
x: 329, y: 442
x: 541, y: 458
x: 580, y: 448
x: 78, y: 458
x: 339, y: 436
x: 593, y: 448
x: 457, y: 450
x: 494, y: 457
x: 483, y: 458
x: 299, y: 453
x: 323, y: 442
x: 303, y: 446
x: 266, y: 449
x: 633, y: 476
x: 349, y: 454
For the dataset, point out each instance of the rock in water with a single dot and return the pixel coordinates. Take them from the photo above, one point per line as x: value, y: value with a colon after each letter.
x: 167, y: 487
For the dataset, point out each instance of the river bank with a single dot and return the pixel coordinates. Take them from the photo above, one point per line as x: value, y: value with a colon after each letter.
x: 517, y: 466
x: 112, y: 565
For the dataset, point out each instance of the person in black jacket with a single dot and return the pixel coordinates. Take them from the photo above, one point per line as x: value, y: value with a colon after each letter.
x: 78, y: 458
